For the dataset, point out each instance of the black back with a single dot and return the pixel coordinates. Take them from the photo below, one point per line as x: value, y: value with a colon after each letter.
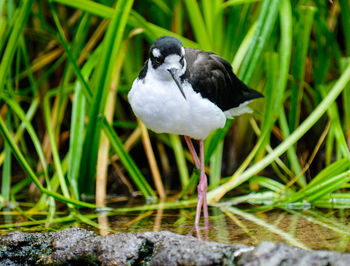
x: 212, y: 76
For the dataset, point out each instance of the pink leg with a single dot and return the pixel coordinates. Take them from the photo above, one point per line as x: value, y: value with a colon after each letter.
x: 192, y: 151
x: 202, y: 189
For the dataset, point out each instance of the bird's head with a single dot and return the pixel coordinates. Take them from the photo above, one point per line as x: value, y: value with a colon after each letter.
x: 167, y: 59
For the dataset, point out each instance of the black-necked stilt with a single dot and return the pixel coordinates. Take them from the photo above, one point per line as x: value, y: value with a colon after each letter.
x: 188, y: 92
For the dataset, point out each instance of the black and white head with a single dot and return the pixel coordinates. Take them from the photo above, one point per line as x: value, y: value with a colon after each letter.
x: 167, y: 59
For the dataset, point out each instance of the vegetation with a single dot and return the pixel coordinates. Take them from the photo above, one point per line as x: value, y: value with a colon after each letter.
x: 65, y: 71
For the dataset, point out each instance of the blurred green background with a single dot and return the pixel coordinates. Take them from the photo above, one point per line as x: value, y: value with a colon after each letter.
x: 69, y: 138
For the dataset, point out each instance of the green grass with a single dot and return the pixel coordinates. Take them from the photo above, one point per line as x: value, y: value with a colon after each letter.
x: 61, y: 60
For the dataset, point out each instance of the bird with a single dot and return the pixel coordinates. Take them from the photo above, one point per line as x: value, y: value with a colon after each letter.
x: 190, y: 92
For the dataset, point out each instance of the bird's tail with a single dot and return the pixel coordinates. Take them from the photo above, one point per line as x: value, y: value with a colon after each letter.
x: 250, y: 94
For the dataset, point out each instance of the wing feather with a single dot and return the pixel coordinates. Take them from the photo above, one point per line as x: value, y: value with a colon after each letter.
x: 212, y: 77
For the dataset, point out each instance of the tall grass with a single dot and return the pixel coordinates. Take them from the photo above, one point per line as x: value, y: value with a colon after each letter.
x: 66, y: 68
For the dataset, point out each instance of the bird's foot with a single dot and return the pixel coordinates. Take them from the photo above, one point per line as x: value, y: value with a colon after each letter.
x: 196, y: 231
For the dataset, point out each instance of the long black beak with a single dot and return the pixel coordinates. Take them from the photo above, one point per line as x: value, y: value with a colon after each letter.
x: 176, y: 78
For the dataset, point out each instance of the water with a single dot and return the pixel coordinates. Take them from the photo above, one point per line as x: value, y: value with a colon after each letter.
x: 305, y: 229
x: 309, y: 229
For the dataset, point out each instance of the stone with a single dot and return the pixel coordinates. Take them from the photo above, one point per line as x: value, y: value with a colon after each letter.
x: 78, y: 246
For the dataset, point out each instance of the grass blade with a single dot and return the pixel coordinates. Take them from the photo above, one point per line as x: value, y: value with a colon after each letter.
x: 26, y: 167
x: 128, y: 163
x: 305, y: 23
x: 6, y: 170
x: 11, y: 46
x: 198, y: 25
x: 111, y: 47
x: 175, y: 142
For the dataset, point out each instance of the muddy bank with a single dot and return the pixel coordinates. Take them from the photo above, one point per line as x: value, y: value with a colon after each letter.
x: 78, y: 246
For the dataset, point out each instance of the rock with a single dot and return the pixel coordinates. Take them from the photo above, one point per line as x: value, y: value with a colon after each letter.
x: 267, y: 253
x: 173, y: 249
x: 79, y: 246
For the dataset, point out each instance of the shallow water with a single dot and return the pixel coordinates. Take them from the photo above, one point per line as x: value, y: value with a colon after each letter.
x: 309, y: 229
x: 306, y: 229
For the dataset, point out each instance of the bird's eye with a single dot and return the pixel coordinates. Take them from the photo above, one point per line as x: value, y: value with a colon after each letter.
x: 157, y: 60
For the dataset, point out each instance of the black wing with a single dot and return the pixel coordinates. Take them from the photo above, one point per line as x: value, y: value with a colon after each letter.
x: 212, y: 77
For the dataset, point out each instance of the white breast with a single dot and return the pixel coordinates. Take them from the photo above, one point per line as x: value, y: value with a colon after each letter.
x: 161, y: 107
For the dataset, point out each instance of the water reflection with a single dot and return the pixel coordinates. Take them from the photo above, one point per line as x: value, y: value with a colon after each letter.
x: 312, y: 229
x: 306, y: 229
